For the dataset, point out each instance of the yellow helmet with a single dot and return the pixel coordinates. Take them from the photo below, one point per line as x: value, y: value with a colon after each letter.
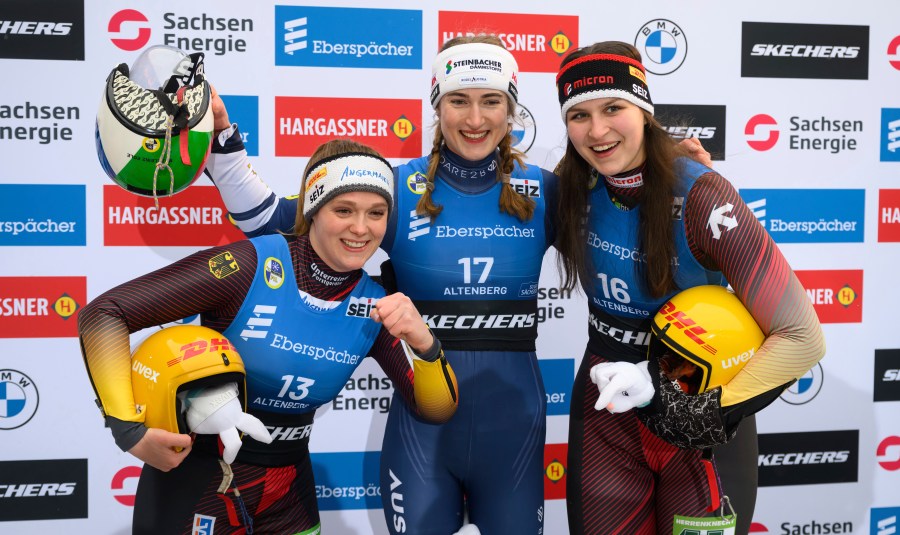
x: 177, y: 359
x: 708, y: 327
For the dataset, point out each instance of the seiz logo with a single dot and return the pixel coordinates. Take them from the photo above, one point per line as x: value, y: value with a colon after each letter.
x: 536, y: 41
x: 525, y: 187
x: 888, y: 453
x: 203, y: 525
x: 762, y: 132
x: 201, y: 347
x: 132, y: 19
x: 259, y: 319
x: 689, y: 327
x: 361, y: 307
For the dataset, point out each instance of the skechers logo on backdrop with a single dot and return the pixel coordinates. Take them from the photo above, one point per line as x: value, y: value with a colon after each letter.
x: 348, y: 37
x: 44, y: 489
x: 826, y: 51
x: 704, y: 122
x: 887, y: 375
x: 808, y: 458
x: 37, y: 214
x: 42, y: 29
x: 809, y: 216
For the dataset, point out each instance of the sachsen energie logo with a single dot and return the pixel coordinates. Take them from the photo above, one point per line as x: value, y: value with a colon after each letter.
x: 41, y: 307
x: 809, y: 215
x: 538, y: 42
x: 816, y: 134
x: 836, y: 295
x: 391, y: 126
x: 193, y: 217
x: 348, y: 37
x: 39, y: 214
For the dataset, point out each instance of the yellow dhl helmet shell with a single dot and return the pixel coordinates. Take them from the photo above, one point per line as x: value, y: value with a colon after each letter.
x: 177, y: 359
x: 709, y: 327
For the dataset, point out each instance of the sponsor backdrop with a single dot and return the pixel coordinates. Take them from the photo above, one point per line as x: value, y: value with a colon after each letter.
x: 798, y: 104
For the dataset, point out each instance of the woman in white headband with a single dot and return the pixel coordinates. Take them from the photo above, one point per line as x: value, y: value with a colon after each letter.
x: 302, y: 314
x: 633, y: 471
x: 466, y: 242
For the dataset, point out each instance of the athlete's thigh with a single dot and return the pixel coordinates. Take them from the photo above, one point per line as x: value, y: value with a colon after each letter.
x: 419, y: 492
x: 736, y: 463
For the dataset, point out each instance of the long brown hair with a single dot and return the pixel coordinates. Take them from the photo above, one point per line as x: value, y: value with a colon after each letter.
x: 510, y: 202
x: 656, y: 237
x: 325, y: 150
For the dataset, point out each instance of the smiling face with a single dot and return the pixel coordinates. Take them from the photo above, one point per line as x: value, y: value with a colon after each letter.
x: 346, y: 231
x: 473, y: 121
x: 608, y: 133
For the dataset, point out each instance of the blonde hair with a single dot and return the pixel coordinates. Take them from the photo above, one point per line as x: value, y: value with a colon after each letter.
x: 328, y: 149
x: 511, y: 202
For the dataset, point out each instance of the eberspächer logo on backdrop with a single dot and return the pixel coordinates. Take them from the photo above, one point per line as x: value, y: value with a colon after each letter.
x: 887, y: 375
x: 783, y: 50
x: 884, y: 521
x: 40, y: 307
x: 244, y: 110
x: 836, y: 294
x: 131, y: 30
x: 538, y: 42
x: 808, y: 458
x: 890, y: 135
x: 704, y: 122
x: 809, y: 215
x: 19, y: 399
x: 45, y: 489
x: 809, y: 133
x: 38, y: 214
x: 193, y: 217
x: 42, y: 29
x: 663, y: 46
x: 307, y: 36
x: 889, y: 215
x: 558, y: 375
x: 806, y: 388
x: 349, y: 480
x: 391, y: 126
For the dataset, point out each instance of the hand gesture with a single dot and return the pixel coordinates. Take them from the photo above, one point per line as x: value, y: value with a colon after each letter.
x: 623, y: 385
x: 217, y: 411
x: 220, y: 114
x: 695, y: 151
x: 161, y: 449
x: 400, y: 317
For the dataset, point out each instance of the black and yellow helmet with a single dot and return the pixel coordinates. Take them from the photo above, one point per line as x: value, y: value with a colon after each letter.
x: 708, y: 327
x: 177, y: 359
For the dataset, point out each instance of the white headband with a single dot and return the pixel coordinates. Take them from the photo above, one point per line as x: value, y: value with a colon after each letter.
x: 344, y: 173
x: 474, y: 66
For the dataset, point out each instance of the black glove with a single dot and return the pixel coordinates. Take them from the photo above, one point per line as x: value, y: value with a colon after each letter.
x: 685, y: 420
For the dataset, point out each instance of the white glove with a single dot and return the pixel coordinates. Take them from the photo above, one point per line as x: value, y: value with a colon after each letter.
x: 623, y: 385
x: 217, y: 411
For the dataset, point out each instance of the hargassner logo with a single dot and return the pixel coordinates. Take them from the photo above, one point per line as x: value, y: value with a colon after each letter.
x: 349, y: 480
x: 890, y: 134
x: 884, y: 521
x: 258, y: 324
x: 37, y: 214
x: 40, y: 307
x: 836, y: 294
x: 704, y: 122
x: 806, y: 388
x: 555, y: 470
x: 307, y: 36
x: 46, y: 489
x: 889, y: 215
x: 781, y: 50
x: 663, y: 45
x: 42, y: 29
x: 808, y: 458
x: 194, y: 217
x: 887, y: 375
x: 809, y: 216
x: 538, y: 42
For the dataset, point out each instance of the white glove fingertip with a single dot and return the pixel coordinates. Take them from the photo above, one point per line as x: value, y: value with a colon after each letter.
x: 254, y: 427
x: 232, y: 442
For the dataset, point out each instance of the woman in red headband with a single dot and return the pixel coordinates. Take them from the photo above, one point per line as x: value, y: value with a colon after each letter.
x: 659, y: 223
